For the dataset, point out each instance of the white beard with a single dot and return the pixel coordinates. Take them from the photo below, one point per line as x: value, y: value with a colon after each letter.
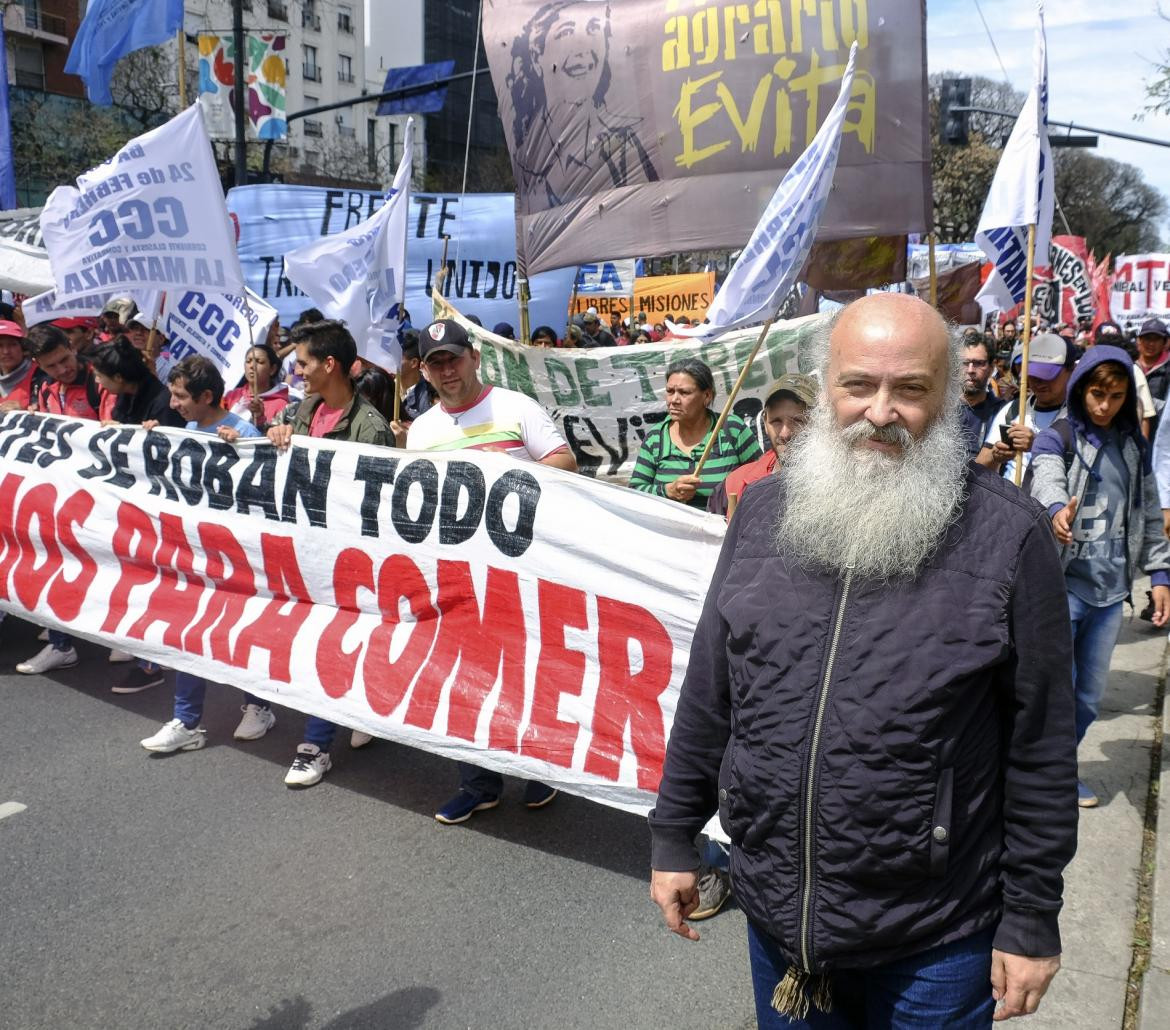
x: 882, y: 514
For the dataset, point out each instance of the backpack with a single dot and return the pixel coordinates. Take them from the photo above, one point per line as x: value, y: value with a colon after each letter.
x: 1067, y: 434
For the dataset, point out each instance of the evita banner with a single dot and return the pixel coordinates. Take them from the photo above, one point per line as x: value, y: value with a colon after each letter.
x: 645, y: 127
x: 446, y: 601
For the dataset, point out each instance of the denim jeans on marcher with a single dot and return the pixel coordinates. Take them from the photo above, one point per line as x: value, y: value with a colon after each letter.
x: 948, y: 986
x: 189, y: 694
x: 1094, y: 632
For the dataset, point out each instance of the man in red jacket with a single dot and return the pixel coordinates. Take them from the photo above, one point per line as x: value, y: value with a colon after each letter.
x: 16, y: 369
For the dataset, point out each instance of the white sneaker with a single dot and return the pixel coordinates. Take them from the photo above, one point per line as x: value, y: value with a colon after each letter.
x: 256, y: 722
x: 358, y: 739
x: 174, y: 736
x: 47, y: 659
x: 118, y: 657
x: 308, y: 767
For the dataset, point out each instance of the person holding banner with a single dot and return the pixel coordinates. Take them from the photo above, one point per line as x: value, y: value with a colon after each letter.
x: 486, y: 418
x: 17, y: 370
x: 261, y: 398
x: 879, y: 705
x: 668, y: 455
x: 332, y: 410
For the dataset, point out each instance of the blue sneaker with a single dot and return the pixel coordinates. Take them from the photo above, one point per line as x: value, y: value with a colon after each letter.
x: 1085, y: 797
x: 537, y: 795
x: 463, y: 806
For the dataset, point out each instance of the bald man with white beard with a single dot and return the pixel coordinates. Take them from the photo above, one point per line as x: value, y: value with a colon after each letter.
x: 879, y: 706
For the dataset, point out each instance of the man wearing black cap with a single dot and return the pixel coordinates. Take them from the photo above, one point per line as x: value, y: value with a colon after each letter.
x: 592, y: 334
x: 1154, y: 359
x: 473, y: 416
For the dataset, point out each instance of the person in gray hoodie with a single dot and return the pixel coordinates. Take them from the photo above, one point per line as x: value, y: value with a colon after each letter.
x: 1091, y: 469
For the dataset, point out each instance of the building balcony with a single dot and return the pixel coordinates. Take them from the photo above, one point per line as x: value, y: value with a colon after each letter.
x: 277, y: 10
x: 345, y: 76
x: 310, y: 21
x: 313, y: 127
x: 346, y: 131
x: 29, y: 20
x: 311, y: 73
x: 344, y: 24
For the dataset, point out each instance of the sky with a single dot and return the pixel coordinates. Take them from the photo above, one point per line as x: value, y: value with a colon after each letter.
x: 1100, y: 55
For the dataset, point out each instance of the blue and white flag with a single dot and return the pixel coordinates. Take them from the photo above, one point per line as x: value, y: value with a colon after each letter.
x: 359, y: 275
x: 7, y: 170
x: 774, y: 256
x: 1022, y: 194
x: 152, y: 217
x: 218, y: 326
x: 112, y: 29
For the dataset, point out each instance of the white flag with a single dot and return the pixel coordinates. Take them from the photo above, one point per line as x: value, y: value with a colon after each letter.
x: 359, y: 275
x: 774, y: 256
x: 1022, y: 193
x: 51, y: 305
x: 217, y: 326
x: 151, y: 217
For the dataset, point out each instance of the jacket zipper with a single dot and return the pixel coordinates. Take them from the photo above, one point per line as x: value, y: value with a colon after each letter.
x: 810, y: 776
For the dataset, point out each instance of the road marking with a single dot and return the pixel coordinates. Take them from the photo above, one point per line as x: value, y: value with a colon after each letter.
x: 11, y: 808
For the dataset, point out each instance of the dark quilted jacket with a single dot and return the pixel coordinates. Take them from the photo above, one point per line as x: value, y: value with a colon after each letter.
x: 943, y: 778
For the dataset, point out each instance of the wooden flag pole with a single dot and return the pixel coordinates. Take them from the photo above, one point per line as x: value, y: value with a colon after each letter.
x: 933, y: 274
x: 153, y: 329
x: 734, y: 393
x: 397, y: 399
x: 524, y: 323
x: 1025, y: 343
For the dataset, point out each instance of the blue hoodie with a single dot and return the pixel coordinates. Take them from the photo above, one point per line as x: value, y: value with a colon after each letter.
x: 1127, y: 423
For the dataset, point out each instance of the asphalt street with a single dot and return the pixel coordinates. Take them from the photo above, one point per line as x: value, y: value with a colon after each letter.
x: 196, y: 890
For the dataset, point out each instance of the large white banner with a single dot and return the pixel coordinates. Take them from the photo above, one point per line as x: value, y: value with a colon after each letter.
x: 1141, y: 288
x: 450, y: 601
x: 24, y: 262
x: 50, y: 305
x: 151, y: 217
x: 359, y: 275
x: 481, y: 254
x: 606, y: 399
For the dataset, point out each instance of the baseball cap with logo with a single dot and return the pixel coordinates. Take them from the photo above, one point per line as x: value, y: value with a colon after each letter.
x: 1047, y: 355
x: 75, y: 323
x: 803, y: 388
x: 443, y: 335
x: 1153, y: 327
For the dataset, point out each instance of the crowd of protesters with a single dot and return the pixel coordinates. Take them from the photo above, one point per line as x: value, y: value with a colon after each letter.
x: 1087, y: 437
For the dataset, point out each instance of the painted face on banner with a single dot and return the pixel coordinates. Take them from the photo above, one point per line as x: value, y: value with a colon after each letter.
x: 574, y: 52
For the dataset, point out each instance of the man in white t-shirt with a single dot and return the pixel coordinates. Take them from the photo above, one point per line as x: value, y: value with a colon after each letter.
x: 1051, y: 360
x: 470, y: 415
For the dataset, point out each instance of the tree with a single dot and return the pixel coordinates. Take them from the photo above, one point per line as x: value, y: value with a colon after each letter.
x: 1108, y: 202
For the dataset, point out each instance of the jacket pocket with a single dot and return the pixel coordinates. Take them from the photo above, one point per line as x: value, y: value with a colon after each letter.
x: 940, y: 823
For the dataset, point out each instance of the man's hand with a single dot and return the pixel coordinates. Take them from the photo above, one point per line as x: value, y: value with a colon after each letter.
x: 399, y: 429
x: 280, y: 435
x: 683, y: 488
x: 1161, y: 605
x: 1062, y: 522
x: 1021, y: 436
x: 227, y: 434
x: 1018, y: 983
x: 677, y: 894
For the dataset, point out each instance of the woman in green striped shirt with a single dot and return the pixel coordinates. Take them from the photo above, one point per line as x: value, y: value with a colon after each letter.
x: 671, y: 450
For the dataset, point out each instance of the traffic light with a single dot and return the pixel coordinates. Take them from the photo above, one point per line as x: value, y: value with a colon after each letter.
x: 952, y: 124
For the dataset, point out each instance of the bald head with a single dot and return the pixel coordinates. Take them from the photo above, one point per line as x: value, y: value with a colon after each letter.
x: 889, y: 364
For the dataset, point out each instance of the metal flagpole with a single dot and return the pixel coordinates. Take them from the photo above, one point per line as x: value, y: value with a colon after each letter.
x: 182, y: 44
x: 933, y: 274
x: 1024, y: 345
x: 241, y: 95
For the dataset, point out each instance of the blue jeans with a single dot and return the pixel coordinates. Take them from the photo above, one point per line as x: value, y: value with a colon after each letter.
x: 1094, y: 633
x: 482, y: 783
x: 63, y: 641
x: 189, y: 694
x: 319, y: 732
x: 716, y: 855
x: 948, y: 986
